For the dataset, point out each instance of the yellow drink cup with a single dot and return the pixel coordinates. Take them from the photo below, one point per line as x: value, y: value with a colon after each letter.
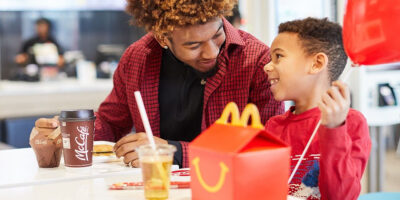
x: 156, y: 166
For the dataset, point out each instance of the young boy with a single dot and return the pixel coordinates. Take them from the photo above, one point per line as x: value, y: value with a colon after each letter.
x: 307, y: 59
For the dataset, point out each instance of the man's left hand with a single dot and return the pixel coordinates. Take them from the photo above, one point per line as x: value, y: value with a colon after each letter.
x: 126, y: 146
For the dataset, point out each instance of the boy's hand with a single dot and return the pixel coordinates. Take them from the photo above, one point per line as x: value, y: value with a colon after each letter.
x: 334, y: 105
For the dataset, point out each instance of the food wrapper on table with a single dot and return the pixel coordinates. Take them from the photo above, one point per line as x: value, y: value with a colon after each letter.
x: 236, y: 161
x: 47, y: 145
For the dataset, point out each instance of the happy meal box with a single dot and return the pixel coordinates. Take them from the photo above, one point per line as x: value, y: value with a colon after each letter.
x: 238, y: 162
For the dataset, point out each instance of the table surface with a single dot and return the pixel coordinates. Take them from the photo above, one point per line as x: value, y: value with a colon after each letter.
x: 21, y: 178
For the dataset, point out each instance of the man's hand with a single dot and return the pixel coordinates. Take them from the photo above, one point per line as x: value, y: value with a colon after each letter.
x: 126, y: 146
x: 335, y: 105
x: 47, y: 122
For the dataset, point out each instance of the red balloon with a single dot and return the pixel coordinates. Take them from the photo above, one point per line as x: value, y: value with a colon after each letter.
x: 371, y: 31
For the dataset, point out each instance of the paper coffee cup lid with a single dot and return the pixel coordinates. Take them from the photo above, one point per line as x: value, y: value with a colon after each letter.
x: 77, y: 115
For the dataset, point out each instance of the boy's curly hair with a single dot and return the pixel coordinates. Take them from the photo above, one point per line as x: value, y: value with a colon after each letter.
x: 320, y: 35
x: 162, y: 16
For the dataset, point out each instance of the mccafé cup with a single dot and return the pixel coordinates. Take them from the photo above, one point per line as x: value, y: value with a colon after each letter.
x: 77, y: 129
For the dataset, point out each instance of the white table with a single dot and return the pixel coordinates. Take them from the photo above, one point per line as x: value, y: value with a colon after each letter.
x: 21, y: 178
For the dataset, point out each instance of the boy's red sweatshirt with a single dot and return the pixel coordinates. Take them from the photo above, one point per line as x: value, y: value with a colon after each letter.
x: 336, y: 159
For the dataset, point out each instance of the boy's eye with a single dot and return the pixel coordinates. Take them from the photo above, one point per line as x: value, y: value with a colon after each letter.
x: 278, y: 55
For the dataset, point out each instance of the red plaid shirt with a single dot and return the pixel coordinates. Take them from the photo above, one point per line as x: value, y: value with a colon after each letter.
x: 240, y: 78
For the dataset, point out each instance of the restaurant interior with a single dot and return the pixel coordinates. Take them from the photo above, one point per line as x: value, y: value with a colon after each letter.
x: 93, y: 34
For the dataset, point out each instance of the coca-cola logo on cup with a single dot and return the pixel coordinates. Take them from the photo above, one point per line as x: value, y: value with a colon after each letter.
x: 82, y: 152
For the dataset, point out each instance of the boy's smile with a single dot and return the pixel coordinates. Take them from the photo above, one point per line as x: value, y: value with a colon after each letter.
x: 272, y: 81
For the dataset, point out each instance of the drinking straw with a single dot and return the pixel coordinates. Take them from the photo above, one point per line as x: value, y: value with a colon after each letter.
x: 343, y: 78
x: 149, y: 134
x: 145, y: 120
x: 304, y: 152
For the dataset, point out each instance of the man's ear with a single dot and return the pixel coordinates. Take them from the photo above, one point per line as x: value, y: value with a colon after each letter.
x: 162, y: 40
x: 320, y: 62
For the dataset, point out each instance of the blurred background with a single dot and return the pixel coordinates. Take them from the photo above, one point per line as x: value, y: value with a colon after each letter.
x: 96, y: 30
x: 91, y: 35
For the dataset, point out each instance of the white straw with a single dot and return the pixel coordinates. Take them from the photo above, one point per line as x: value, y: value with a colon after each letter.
x: 304, y: 152
x: 145, y: 120
x: 343, y: 78
x: 347, y: 73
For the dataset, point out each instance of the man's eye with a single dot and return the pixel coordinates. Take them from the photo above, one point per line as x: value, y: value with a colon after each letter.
x: 217, y: 35
x: 194, y: 47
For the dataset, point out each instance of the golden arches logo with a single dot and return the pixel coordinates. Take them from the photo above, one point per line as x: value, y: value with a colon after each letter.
x: 222, y: 176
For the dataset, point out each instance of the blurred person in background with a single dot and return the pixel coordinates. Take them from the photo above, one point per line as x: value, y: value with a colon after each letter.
x: 41, y: 48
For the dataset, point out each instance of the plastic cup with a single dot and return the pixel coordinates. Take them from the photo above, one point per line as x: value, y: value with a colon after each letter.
x: 156, y: 166
x: 77, y: 129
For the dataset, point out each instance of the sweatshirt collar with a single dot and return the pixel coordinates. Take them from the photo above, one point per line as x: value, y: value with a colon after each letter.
x: 314, y: 112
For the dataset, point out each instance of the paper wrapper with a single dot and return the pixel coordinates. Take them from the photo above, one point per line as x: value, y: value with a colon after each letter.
x: 47, y: 145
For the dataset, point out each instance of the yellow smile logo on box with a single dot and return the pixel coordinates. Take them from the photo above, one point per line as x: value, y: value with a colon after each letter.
x: 221, y: 180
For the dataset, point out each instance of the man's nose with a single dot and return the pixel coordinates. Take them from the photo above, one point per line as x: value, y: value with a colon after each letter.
x: 210, y: 50
x: 268, y: 67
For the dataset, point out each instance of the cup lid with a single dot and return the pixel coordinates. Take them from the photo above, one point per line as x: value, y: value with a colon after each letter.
x: 160, y: 148
x: 77, y: 115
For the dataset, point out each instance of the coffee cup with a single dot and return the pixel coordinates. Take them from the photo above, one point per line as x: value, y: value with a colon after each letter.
x: 77, y: 129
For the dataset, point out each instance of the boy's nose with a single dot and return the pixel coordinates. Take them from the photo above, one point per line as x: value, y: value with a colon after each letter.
x: 268, y: 67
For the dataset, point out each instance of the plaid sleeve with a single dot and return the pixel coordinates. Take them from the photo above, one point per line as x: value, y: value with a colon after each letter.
x: 185, y: 154
x: 113, y: 117
x: 260, y: 93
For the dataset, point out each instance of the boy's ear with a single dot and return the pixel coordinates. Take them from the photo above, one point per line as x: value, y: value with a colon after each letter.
x: 320, y: 62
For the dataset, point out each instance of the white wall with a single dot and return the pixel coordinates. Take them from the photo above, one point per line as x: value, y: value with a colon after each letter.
x: 263, y: 16
x: 259, y: 16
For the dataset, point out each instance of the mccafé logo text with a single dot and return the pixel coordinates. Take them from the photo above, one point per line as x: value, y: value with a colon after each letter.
x: 82, y: 152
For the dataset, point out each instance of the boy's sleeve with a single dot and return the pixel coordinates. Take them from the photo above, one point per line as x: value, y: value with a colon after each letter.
x: 344, y: 155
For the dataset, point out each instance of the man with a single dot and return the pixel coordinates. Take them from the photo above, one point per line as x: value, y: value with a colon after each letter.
x: 187, y: 68
x: 32, y: 49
